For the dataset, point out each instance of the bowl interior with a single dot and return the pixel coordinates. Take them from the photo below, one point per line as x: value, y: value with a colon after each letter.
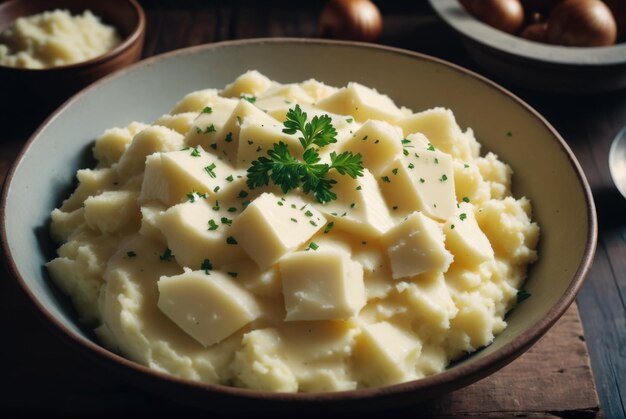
x: 121, y: 14
x: 544, y: 167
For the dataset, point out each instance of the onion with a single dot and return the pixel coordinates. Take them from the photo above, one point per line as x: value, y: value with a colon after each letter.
x: 582, y: 23
x: 537, y: 32
x: 540, y: 6
x: 506, y: 15
x: 618, y: 7
x: 358, y: 20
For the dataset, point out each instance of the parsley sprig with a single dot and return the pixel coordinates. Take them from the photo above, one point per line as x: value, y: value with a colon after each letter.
x: 288, y: 172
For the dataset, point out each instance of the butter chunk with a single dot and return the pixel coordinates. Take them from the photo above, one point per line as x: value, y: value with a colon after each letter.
x: 362, y: 102
x: 421, y: 180
x: 360, y: 207
x: 190, y: 237
x: 113, y: 211
x: 464, y: 238
x: 415, y: 246
x: 378, y: 142
x: 271, y: 226
x: 441, y: 128
x: 209, y: 308
x: 321, y: 285
x: 385, y: 354
x: 150, y: 215
x: 169, y: 177
x: 256, y: 137
x: 224, y: 142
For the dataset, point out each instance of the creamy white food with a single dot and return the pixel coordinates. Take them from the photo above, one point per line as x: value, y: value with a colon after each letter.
x: 55, y: 38
x: 180, y: 266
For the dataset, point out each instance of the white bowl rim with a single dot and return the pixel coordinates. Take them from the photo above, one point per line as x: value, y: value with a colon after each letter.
x: 444, y: 382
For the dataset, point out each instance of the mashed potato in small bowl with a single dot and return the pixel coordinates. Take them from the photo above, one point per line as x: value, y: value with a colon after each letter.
x: 213, y: 267
x: 51, y: 49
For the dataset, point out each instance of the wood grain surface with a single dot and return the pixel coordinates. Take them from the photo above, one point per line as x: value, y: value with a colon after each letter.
x: 46, y: 377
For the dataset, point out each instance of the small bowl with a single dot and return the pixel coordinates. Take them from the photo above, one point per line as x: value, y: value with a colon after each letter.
x: 543, y: 164
x: 53, y: 85
x: 533, y: 65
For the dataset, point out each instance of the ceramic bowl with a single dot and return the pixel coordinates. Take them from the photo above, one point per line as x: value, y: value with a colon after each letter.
x: 533, y: 65
x: 544, y: 168
x: 49, y: 87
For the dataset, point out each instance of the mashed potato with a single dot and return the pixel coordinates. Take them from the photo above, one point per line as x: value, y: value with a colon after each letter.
x: 179, y: 265
x: 55, y: 38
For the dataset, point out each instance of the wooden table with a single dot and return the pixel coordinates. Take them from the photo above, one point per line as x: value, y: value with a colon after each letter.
x: 44, y: 376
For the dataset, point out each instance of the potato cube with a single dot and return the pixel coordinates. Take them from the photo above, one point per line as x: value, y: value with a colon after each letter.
x: 359, y: 207
x: 440, y: 127
x: 170, y: 177
x: 415, y: 246
x: 464, y: 238
x: 257, y: 137
x: 321, y: 285
x: 362, y: 102
x: 271, y: 226
x: 377, y: 142
x: 423, y: 181
x: 224, y: 142
x: 208, y: 308
x: 195, y: 231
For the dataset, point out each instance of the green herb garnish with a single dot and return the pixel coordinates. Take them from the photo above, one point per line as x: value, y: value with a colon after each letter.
x: 209, y: 169
x: 206, y: 266
x: 522, y: 295
x: 288, y: 172
x: 167, y: 255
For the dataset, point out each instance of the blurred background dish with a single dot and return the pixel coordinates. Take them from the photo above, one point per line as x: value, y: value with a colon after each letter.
x: 534, y: 65
x: 22, y: 88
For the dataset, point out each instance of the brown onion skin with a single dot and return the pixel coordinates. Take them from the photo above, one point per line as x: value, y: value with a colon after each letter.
x: 618, y: 7
x: 356, y: 20
x: 539, y: 6
x: 582, y: 23
x: 505, y: 15
x: 537, y: 32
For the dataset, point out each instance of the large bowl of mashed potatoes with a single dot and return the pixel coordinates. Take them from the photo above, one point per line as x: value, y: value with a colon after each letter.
x: 371, y: 229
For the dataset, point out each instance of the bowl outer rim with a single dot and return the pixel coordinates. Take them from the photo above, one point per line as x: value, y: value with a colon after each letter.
x: 448, y: 379
x: 137, y: 33
x: 469, y: 27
